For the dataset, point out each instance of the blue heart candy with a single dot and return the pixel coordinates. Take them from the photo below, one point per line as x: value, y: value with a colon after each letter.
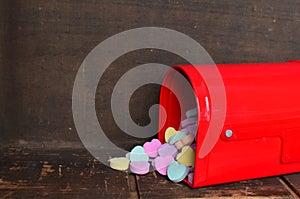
x: 177, y: 137
x: 138, y: 154
x: 177, y: 172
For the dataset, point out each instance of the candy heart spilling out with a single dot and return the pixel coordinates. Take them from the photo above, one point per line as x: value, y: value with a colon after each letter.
x: 140, y: 167
x: 192, y: 129
x: 161, y: 164
x: 177, y: 172
x: 167, y: 150
x: 177, y: 137
x: 186, y: 156
x: 191, y: 178
x: 138, y: 154
x: 152, y: 147
x: 174, y: 158
x: 188, y: 121
x: 185, y: 141
x: 191, y: 113
x: 121, y: 163
x: 170, y: 132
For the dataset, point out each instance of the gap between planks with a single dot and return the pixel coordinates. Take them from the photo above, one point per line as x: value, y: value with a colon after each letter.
x: 289, y: 187
x: 133, y: 186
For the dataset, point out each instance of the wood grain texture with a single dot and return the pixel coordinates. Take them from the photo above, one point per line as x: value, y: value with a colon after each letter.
x: 293, y: 181
x: 76, y: 174
x: 46, y: 41
x: 60, y: 174
x: 268, y: 187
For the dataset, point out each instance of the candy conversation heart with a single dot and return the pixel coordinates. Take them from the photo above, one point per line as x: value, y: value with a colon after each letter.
x: 165, y: 158
x: 177, y: 137
x: 192, y: 129
x: 191, y: 178
x: 169, y: 133
x: 161, y: 164
x: 139, y: 167
x: 191, y: 113
x: 177, y: 172
x: 167, y: 150
x: 188, y: 121
x: 186, y: 156
x: 185, y: 141
x: 138, y: 154
x: 151, y: 148
x: 120, y: 163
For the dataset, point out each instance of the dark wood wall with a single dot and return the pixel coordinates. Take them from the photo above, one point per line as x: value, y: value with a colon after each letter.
x: 43, y: 43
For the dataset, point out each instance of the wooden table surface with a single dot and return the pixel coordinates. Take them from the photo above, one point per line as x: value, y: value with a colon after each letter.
x: 43, y: 43
x: 76, y: 174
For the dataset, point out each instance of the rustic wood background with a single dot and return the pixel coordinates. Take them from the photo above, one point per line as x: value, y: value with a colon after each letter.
x: 43, y: 43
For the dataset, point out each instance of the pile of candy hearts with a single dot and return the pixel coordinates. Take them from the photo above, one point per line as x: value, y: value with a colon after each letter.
x: 175, y: 158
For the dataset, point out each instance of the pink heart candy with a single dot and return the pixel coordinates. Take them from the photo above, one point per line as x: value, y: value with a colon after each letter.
x: 167, y: 150
x: 163, y: 171
x: 161, y: 164
x: 139, y: 167
x: 152, y: 147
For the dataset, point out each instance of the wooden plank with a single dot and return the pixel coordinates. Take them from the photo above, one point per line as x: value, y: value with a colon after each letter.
x: 293, y: 181
x: 157, y: 186
x: 76, y: 174
x: 56, y: 174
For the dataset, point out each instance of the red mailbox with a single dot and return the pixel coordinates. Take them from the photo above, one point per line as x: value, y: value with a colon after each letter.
x: 261, y: 133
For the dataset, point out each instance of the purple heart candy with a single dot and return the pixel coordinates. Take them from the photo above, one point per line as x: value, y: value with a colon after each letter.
x: 186, y: 130
x: 191, y: 178
x: 167, y: 150
x: 161, y: 164
x: 188, y: 121
x: 192, y: 130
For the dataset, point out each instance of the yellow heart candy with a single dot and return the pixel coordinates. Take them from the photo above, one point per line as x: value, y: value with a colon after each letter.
x: 169, y: 133
x: 120, y: 164
x: 186, y: 156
